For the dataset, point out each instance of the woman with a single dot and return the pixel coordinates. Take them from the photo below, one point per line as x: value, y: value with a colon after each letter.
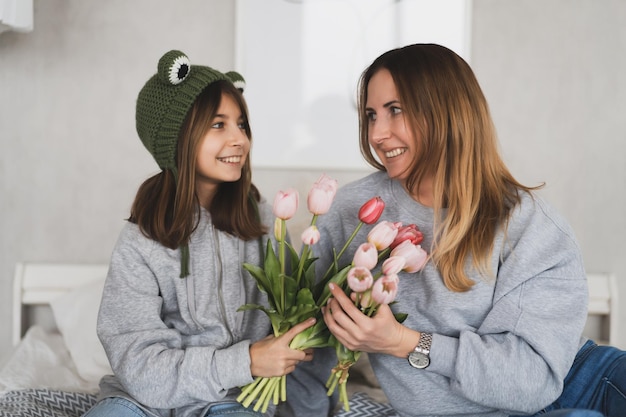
x: 168, y: 319
x: 495, y: 318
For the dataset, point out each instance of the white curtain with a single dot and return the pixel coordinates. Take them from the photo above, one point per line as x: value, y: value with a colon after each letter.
x: 16, y: 15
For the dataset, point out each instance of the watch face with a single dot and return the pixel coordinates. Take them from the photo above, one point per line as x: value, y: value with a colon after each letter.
x: 419, y: 360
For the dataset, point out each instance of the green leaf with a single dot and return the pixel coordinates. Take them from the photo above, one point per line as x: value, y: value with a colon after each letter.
x: 322, y: 287
x: 400, y: 317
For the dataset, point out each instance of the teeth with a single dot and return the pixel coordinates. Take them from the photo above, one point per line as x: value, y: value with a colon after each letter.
x: 395, y: 152
x: 231, y: 159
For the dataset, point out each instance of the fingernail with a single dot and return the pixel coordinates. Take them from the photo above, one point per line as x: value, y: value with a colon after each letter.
x: 331, y: 286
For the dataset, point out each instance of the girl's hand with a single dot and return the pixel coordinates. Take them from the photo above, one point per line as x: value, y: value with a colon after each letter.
x: 272, y: 356
x: 381, y: 333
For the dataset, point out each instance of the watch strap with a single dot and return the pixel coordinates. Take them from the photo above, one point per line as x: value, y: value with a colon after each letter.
x: 426, y: 340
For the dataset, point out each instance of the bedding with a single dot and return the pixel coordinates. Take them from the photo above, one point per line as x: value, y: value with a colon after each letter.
x: 55, y: 373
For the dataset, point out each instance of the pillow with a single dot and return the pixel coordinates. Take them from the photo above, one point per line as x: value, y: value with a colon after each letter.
x: 76, y: 315
x: 41, y: 360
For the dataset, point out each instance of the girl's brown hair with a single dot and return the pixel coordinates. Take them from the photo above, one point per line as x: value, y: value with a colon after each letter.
x: 166, y: 208
x: 444, y: 104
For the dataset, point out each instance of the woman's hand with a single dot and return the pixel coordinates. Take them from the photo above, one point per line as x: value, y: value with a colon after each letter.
x: 272, y: 355
x: 381, y: 333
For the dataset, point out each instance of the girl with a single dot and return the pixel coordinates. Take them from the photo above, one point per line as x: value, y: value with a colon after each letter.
x: 168, y: 319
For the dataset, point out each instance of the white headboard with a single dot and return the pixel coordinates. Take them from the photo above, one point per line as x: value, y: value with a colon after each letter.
x: 40, y: 283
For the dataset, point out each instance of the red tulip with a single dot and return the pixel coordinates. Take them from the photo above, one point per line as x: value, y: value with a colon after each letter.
x: 410, y: 232
x: 371, y: 211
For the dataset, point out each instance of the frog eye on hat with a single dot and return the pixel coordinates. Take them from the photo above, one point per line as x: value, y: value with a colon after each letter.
x: 174, y: 67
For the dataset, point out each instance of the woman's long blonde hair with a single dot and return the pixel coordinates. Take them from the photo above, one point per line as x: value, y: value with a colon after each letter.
x: 445, y: 106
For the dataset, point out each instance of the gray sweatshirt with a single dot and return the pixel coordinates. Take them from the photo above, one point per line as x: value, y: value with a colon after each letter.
x: 505, y: 346
x: 177, y: 345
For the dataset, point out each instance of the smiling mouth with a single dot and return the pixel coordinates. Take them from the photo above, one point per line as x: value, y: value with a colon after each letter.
x: 395, y: 152
x: 230, y: 159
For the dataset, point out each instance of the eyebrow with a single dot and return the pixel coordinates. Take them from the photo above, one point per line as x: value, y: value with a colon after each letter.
x: 386, y: 105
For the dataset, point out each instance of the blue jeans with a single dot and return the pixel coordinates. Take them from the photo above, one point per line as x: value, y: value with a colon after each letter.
x: 121, y: 407
x: 595, y: 385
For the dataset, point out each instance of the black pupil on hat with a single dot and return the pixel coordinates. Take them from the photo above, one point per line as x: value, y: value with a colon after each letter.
x: 182, y: 71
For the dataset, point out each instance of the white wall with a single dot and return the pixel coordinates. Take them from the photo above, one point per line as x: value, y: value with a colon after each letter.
x: 71, y: 161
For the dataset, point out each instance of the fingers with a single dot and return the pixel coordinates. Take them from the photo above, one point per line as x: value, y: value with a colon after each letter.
x: 298, y: 328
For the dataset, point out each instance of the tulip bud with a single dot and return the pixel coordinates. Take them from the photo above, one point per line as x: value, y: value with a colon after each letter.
x: 370, y: 212
x: 414, y: 256
x: 278, y: 229
x: 366, y: 256
x: 359, y: 279
x: 383, y: 234
x: 393, y: 265
x: 321, y: 195
x: 365, y: 299
x: 311, y: 235
x: 410, y: 232
x: 385, y: 289
x: 286, y: 204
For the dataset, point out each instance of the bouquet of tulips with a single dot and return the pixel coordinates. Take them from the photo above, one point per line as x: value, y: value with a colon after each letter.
x: 371, y: 287
x: 289, y: 280
x: 294, y: 294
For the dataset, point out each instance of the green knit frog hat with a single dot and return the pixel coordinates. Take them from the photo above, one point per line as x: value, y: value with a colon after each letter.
x: 165, y: 100
x: 162, y: 106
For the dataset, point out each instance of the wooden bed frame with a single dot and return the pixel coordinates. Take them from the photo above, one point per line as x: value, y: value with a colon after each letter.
x: 39, y: 283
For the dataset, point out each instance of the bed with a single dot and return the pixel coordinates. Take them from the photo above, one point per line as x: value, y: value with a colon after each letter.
x: 57, y: 360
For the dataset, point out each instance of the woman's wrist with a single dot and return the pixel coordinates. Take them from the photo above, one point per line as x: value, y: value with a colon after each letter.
x: 409, y: 338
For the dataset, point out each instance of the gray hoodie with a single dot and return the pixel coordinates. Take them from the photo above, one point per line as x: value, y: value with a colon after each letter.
x: 177, y: 345
x: 503, y: 347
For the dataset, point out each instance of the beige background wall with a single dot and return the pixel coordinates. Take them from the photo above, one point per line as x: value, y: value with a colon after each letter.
x: 71, y: 162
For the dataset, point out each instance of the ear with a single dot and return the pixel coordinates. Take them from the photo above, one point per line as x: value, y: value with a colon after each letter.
x: 237, y: 80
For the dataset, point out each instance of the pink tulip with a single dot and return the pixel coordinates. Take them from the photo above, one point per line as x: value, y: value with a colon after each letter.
x: 359, y: 279
x: 321, y: 195
x: 410, y: 232
x: 286, y: 204
x: 414, y: 255
x: 366, y: 256
x: 370, y: 212
x: 311, y: 235
x: 383, y: 234
x: 393, y: 265
x: 385, y: 289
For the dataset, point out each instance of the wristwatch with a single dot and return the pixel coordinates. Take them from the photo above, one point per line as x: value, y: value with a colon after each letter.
x: 420, y: 358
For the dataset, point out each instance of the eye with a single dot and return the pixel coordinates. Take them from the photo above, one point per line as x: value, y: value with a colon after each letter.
x: 395, y: 110
x: 217, y: 125
x: 242, y: 125
x: 370, y: 115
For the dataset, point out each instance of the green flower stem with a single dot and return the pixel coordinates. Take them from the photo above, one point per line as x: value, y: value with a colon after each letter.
x: 255, y: 393
x: 345, y: 246
x: 248, y: 388
x: 281, y: 254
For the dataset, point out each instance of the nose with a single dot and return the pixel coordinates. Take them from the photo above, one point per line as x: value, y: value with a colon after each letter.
x: 238, y: 137
x: 379, y: 130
